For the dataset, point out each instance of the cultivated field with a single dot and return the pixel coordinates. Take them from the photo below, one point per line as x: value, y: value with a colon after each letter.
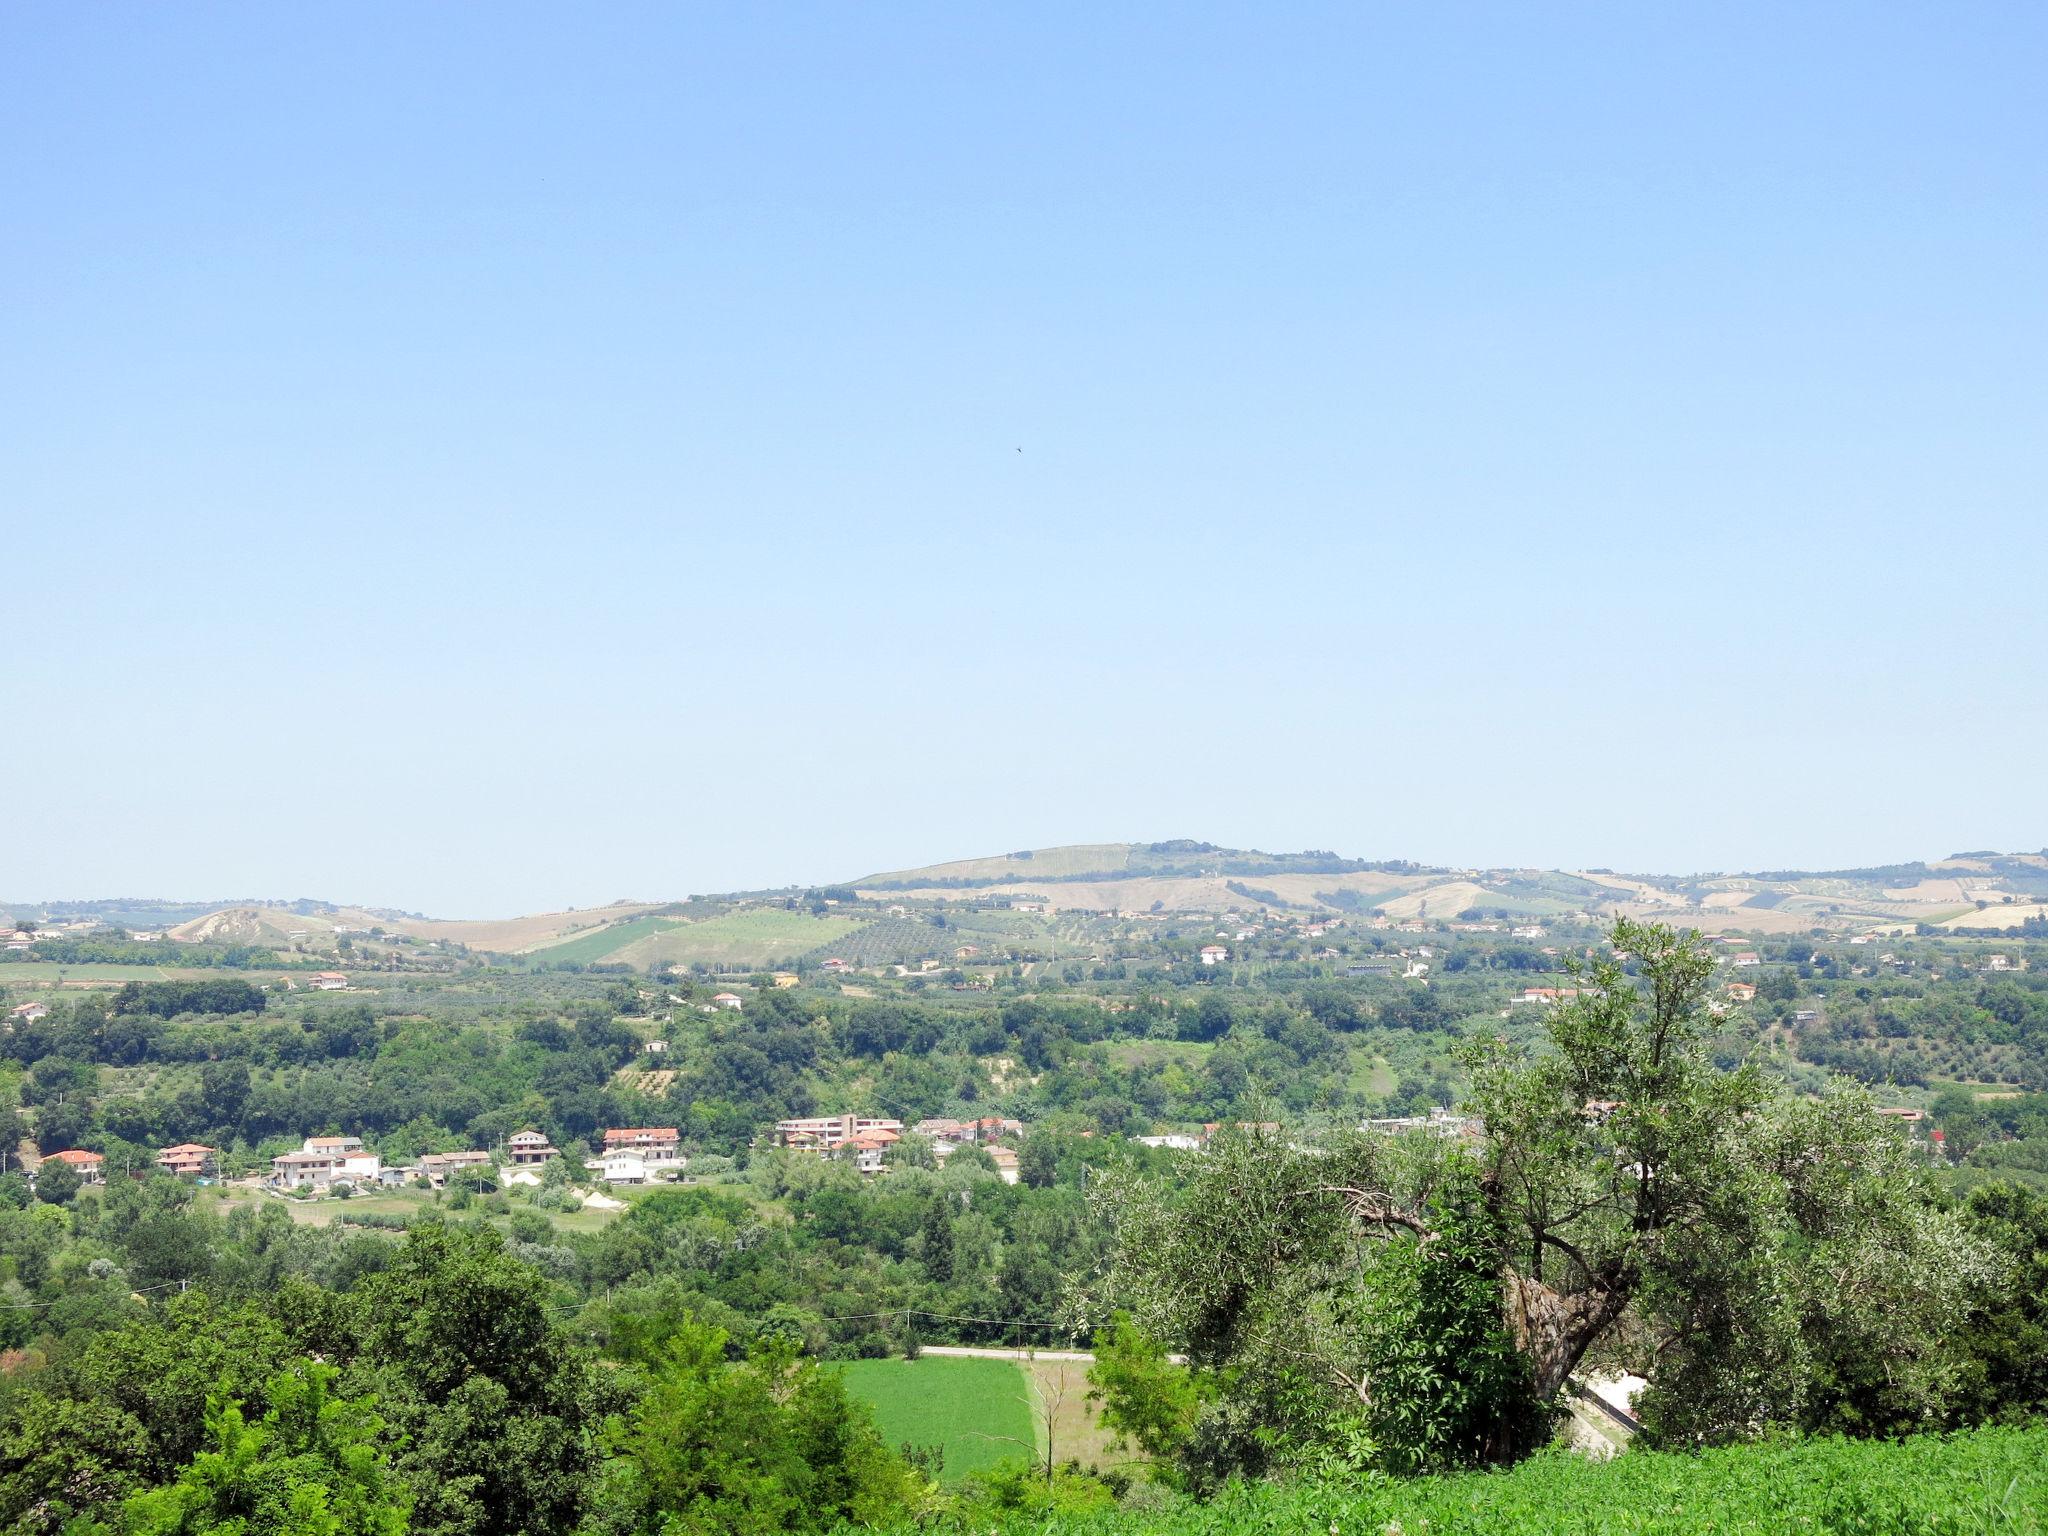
x: 1999, y: 915
x: 979, y: 1411
x: 603, y: 943
x: 755, y: 937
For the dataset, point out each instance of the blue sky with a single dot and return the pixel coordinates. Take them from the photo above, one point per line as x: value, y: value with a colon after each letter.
x: 478, y: 459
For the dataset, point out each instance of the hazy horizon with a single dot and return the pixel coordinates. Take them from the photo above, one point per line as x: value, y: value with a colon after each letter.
x: 481, y: 464
x: 283, y: 897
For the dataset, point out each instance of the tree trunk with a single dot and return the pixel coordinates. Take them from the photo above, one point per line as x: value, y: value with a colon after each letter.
x: 1553, y: 1330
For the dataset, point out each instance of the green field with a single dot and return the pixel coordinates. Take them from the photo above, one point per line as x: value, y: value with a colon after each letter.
x: 24, y: 974
x: 752, y: 938
x: 979, y: 1410
x: 589, y: 948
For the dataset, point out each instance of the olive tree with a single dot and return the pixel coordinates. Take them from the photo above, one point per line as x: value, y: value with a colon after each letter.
x: 1421, y: 1300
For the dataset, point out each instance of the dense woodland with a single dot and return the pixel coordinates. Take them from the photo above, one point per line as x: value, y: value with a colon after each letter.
x: 501, y: 1361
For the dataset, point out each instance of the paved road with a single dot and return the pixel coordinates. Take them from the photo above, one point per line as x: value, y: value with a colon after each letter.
x: 977, y: 1352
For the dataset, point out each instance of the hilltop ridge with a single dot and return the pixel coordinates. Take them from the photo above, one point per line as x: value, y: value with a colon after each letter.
x: 1105, y: 882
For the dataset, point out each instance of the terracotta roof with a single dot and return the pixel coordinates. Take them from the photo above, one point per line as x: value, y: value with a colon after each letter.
x: 77, y: 1158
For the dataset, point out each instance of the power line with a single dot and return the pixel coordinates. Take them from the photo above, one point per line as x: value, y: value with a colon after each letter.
x: 38, y: 1306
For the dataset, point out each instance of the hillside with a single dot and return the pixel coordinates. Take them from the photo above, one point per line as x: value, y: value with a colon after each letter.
x: 1090, y: 893
x: 1987, y: 889
x: 318, y: 927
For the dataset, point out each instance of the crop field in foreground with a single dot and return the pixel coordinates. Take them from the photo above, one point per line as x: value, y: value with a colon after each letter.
x: 1989, y: 1482
x: 978, y: 1410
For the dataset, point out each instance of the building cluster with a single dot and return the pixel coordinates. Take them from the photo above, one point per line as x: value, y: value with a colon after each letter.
x: 865, y: 1140
x: 323, y: 1163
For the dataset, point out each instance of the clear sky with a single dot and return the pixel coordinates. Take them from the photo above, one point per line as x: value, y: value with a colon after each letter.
x: 480, y: 458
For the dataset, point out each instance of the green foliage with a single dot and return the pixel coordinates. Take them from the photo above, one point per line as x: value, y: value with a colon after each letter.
x: 752, y: 1448
x: 497, y: 1407
x: 1990, y: 1482
x: 311, y: 1467
x: 1317, y: 1346
x: 168, y: 999
x: 1147, y: 1401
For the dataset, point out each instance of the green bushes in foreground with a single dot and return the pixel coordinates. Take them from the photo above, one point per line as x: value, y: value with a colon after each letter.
x: 1992, y: 1481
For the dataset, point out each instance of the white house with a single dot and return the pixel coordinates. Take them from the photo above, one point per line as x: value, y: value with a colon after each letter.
x: 730, y: 1000
x: 622, y: 1165
x: 1214, y: 954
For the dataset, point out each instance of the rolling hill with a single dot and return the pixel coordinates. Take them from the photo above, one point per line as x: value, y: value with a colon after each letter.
x: 1028, y: 897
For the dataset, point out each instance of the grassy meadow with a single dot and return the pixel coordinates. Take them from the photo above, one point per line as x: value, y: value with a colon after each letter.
x: 980, y: 1411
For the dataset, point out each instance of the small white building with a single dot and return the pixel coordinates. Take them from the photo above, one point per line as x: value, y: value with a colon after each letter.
x: 730, y: 1000
x: 1214, y: 954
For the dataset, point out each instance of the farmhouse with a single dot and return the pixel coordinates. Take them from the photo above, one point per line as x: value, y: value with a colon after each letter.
x: 1214, y: 954
x: 1741, y: 991
x: 27, y: 1013
x: 1749, y: 957
x: 90, y: 1166
x: 328, y: 981
x: 730, y: 1000
x: 187, y: 1160
x: 835, y: 965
